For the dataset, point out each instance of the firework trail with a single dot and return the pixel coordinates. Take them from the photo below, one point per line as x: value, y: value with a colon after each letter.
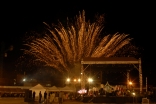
x: 64, y: 46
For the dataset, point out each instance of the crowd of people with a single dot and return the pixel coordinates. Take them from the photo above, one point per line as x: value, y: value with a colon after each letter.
x: 50, y: 97
x: 12, y: 92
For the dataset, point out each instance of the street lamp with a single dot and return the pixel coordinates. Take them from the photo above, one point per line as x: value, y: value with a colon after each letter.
x: 130, y: 85
x: 79, y: 80
x: 24, y: 80
x: 133, y: 96
x: 68, y: 80
x: 90, y: 80
x: 133, y: 93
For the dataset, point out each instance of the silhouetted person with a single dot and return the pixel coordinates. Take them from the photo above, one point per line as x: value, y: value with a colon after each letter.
x: 45, y: 95
x: 34, y: 95
x: 57, y: 96
x: 40, y: 97
x: 60, y: 97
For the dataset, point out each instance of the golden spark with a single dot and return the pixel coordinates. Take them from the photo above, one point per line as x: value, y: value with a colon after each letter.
x: 63, y: 47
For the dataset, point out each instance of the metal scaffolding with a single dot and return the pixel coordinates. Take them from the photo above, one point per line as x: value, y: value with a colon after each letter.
x: 112, y: 60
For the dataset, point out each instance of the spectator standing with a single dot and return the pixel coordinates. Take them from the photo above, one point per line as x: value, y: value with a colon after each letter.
x: 60, y: 97
x: 40, y: 97
x: 34, y: 95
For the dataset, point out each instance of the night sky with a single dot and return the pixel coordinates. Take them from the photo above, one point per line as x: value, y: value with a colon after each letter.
x: 134, y: 18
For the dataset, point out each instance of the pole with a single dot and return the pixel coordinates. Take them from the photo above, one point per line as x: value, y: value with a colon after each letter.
x: 146, y: 84
x: 140, y: 75
x: 82, y: 77
x: 128, y: 78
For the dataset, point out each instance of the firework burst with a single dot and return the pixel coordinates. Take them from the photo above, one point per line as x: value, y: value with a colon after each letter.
x: 63, y: 47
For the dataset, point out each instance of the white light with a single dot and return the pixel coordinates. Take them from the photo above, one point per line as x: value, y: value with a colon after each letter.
x: 133, y: 94
x: 68, y: 80
x: 79, y: 80
x: 90, y: 80
x: 130, y: 83
x: 24, y: 79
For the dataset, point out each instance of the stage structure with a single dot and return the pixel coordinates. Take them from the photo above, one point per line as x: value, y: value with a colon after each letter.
x: 111, y: 60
